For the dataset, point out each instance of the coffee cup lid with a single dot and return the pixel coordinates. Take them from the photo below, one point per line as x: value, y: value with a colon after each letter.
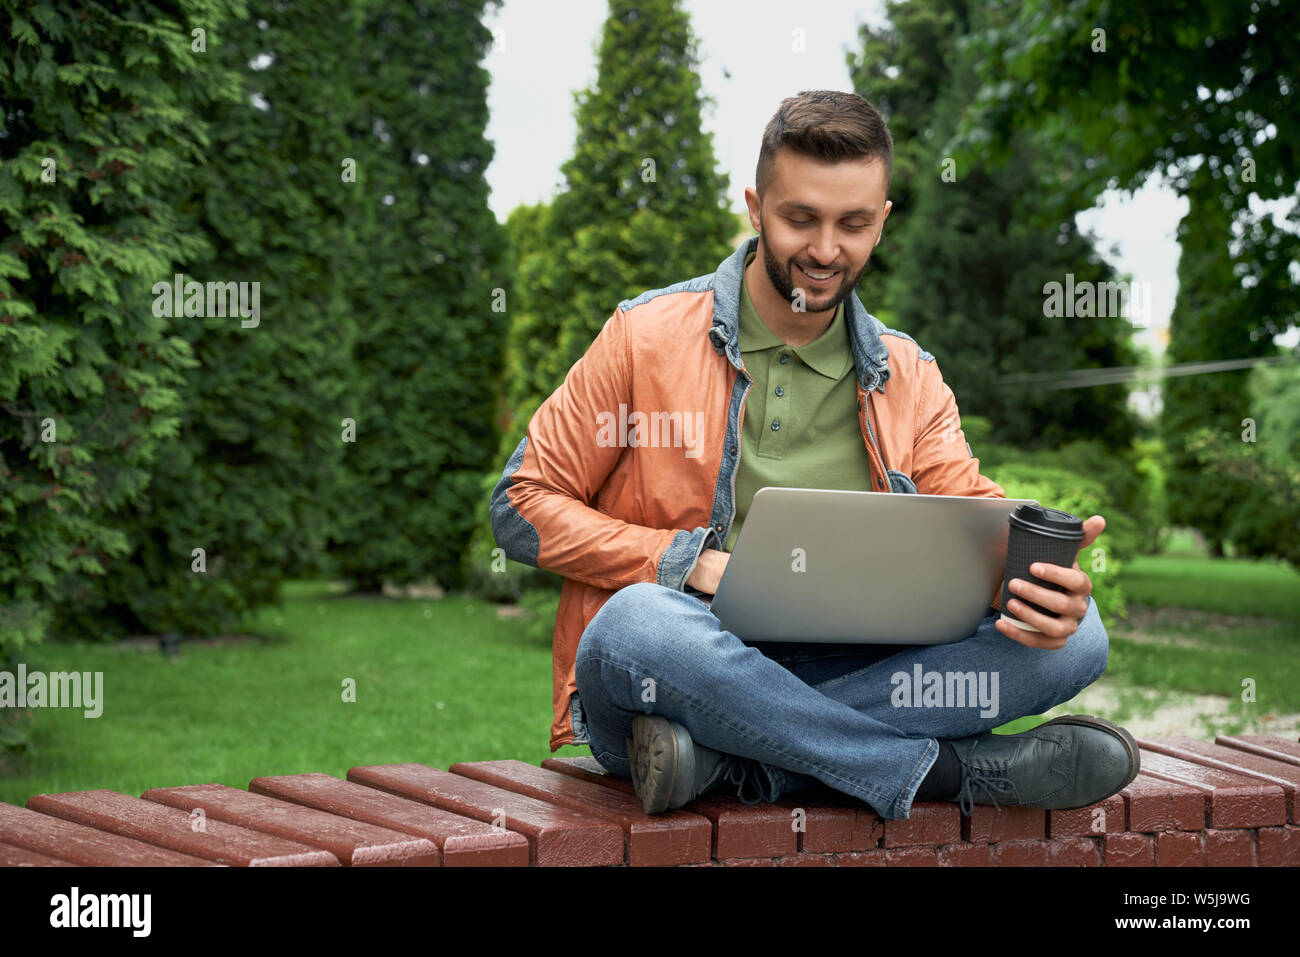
x: 1048, y: 521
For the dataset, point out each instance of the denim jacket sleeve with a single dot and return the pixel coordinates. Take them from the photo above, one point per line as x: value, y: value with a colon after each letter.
x: 541, y: 508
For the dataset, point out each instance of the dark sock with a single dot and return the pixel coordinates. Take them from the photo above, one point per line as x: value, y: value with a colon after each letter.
x: 944, y: 779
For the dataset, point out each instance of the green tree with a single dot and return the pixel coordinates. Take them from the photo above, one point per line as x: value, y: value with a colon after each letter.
x: 430, y: 292
x: 1204, y: 93
x: 643, y: 204
x: 1263, y: 459
x: 102, y: 134
x: 977, y: 246
x: 251, y: 477
x: 642, y: 207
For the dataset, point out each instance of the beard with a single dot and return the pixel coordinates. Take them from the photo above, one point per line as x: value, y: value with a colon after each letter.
x: 781, y: 275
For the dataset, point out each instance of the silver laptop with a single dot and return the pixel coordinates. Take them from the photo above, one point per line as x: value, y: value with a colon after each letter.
x: 863, y: 567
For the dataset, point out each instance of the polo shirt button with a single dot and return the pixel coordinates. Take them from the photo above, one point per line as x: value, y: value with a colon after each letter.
x: 776, y: 424
x: 880, y: 483
x: 784, y: 358
x: 780, y: 391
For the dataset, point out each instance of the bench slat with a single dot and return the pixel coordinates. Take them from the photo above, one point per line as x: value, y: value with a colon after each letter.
x: 1234, y: 799
x: 11, y: 856
x: 172, y: 828
x: 674, y: 837
x: 557, y: 837
x: 1246, y: 763
x: 78, y: 844
x: 1267, y: 745
x: 462, y: 841
x: 354, y: 843
x: 1156, y: 804
x: 739, y: 830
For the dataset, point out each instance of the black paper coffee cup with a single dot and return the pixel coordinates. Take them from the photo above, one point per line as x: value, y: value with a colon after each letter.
x: 1038, y: 534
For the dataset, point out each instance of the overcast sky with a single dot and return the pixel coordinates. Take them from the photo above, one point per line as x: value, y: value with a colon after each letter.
x: 546, y: 51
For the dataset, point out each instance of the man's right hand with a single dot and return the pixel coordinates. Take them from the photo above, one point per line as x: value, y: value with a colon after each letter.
x: 708, y: 570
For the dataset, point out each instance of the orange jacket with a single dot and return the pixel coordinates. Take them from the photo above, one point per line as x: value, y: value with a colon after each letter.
x: 627, y: 471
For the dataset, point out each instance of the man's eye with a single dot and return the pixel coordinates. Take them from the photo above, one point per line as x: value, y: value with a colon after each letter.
x: 805, y: 222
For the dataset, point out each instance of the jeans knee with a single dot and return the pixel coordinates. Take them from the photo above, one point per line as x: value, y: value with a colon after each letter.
x: 622, y: 618
x: 1090, y: 645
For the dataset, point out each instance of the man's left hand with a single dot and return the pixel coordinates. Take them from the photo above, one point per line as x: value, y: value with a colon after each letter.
x: 1071, y: 605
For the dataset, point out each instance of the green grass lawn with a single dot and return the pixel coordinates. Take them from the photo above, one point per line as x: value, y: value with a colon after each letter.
x: 445, y: 681
x: 436, y: 682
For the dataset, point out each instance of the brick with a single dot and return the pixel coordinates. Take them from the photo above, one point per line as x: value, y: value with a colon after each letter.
x: 1245, y: 763
x: 1155, y: 804
x: 1267, y: 745
x: 965, y: 855
x: 82, y: 845
x: 173, y: 829
x: 11, y: 856
x: 931, y: 823
x: 1087, y: 821
x: 1278, y: 846
x: 1020, y: 854
x: 862, y: 859
x: 1180, y: 849
x: 832, y: 822
x: 674, y: 837
x: 1128, y: 850
x: 759, y: 830
x: 747, y: 830
x: 354, y: 843
x: 463, y: 841
x: 806, y: 860
x: 749, y: 862
x: 557, y: 836
x: 1235, y: 848
x: 912, y: 857
x: 1234, y: 800
x: 987, y: 824
x: 1073, y: 852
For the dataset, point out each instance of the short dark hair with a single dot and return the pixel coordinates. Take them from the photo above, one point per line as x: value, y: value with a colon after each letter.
x: 826, y: 124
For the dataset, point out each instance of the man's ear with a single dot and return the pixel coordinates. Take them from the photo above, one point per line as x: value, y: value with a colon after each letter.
x: 888, y: 206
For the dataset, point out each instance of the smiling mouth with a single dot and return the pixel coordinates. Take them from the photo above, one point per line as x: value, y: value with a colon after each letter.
x: 829, y: 274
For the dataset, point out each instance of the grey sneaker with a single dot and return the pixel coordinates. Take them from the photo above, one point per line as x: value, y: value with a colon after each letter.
x: 1066, y: 763
x: 668, y: 768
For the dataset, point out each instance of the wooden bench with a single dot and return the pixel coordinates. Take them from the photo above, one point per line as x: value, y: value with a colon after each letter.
x: 1195, y: 803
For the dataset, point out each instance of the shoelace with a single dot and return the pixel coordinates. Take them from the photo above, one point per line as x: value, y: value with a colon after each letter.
x: 736, y: 774
x: 992, y: 780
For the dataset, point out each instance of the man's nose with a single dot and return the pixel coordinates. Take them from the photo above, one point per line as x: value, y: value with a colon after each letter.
x: 825, y: 248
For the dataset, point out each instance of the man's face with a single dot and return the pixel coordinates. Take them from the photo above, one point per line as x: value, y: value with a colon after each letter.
x: 825, y: 217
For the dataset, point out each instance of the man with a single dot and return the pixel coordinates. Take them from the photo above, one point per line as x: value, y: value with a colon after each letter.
x: 631, y: 483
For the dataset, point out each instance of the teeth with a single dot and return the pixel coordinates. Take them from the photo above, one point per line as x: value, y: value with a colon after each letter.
x: 817, y: 275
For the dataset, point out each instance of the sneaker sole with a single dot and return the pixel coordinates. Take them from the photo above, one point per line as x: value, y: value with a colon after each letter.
x: 663, y: 763
x: 1130, y: 745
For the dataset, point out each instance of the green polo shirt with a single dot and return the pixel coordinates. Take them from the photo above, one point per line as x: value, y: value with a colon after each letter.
x: 800, y: 427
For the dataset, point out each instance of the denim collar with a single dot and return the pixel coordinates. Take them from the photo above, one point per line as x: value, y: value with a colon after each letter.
x: 870, y: 355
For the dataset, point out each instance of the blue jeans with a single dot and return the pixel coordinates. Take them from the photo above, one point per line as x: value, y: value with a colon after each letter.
x: 795, y: 713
